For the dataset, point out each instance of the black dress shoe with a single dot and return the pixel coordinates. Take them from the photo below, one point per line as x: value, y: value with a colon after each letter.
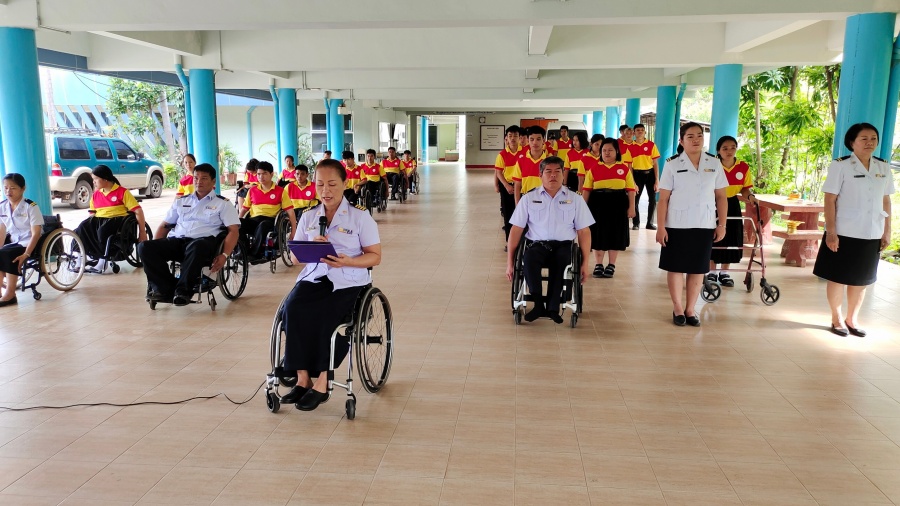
x: 855, y: 332
x: 679, y: 319
x: 554, y: 315
x: 11, y: 302
x: 839, y: 331
x: 693, y: 321
x: 154, y: 296
x: 311, y: 400
x: 651, y: 226
x: 636, y: 227
x: 725, y: 280
x: 181, y: 299
x: 534, y: 314
x: 294, y: 395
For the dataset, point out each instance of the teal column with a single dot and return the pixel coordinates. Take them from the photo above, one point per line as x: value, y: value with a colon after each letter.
x: 665, y: 123
x: 335, y: 127
x: 863, y: 91
x: 586, y: 120
x: 677, y: 129
x: 423, y: 138
x: 726, y: 101
x: 188, y: 129
x: 203, y: 110
x: 21, y: 114
x: 890, y: 111
x: 598, y: 124
x: 612, y: 122
x: 287, y: 118
x: 632, y: 111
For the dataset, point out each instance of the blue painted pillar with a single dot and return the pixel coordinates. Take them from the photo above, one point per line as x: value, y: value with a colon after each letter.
x: 890, y: 111
x: 863, y: 91
x: 677, y: 129
x: 665, y: 123
x: 612, y: 122
x: 21, y: 114
x: 423, y: 138
x: 598, y: 124
x: 250, y: 131
x: 586, y: 119
x: 188, y: 128
x: 632, y: 111
x: 335, y: 127
x: 726, y: 101
x: 287, y: 118
x: 203, y: 109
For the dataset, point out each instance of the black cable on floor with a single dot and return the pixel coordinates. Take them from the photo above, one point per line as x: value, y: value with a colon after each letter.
x: 143, y: 403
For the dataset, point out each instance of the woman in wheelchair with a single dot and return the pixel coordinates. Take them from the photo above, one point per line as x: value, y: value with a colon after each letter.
x: 263, y: 203
x: 110, y: 205
x: 325, y: 292
x: 20, y: 231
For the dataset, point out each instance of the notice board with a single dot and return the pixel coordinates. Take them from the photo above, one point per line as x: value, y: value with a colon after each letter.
x: 492, y: 137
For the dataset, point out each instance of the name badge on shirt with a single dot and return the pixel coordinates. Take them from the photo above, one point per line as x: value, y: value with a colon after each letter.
x: 709, y: 170
x: 680, y: 171
x: 538, y: 201
x: 213, y: 208
x: 861, y: 175
x: 565, y: 201
x: 344, y: 230
x: 880, y: 175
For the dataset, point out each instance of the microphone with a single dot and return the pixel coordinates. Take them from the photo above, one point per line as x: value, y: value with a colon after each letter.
x: 323, y: 224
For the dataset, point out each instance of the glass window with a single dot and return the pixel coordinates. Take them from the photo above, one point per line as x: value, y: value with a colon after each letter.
x: 101, y: 150
x: 319, y: 122
x: 319, y: 142
x: 73, y: 149
x: 348, y: 124
x: 123, y: 152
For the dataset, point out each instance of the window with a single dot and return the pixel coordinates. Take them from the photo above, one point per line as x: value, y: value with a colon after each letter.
x: 73, y: 149
x: 432, y: 136
x: 319, y: 133
x: 123, y: 152
x: 101, y: 150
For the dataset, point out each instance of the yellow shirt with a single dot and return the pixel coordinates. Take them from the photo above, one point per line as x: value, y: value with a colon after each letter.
x: 527, y: 170
x: 267, y: 203
x: 608, y: 177
x: 643, y: 154
x: 112, y: 203
x: 506, y: 162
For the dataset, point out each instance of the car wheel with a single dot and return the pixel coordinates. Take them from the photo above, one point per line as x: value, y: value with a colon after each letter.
x: 81, y: 196
x: 154, y: 190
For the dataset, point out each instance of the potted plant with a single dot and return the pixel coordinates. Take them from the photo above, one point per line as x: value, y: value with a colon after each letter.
x: 229, y: 163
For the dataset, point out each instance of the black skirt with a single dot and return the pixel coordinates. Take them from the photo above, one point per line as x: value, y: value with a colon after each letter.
x: 572, y: 180
x: 8, y: 253
x: 734, y: 236
x: 610, y: 228
x: 94, y: 233
x: 855, y: 263
x: 687, y: 251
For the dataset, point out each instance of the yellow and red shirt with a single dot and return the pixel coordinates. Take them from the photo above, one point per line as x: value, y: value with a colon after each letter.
x: 549, y: 148
x: 289, y: 174
x: 528, y: 170
x: 353, y: 175
x: 562, y: 147
x: 574, y: 160
x: 625, y: 151
x: 600, y: 176
x: 267, y: 203
x: 738, y: 178
x: 506, y: 162
x: 373, y: 173
x: 112, y: 203
x: 185, y: 185
x: 252, y: 179
x: 302, y: 197
x: 407, y: 166
x: 392, y: 166
x: 643, y: 154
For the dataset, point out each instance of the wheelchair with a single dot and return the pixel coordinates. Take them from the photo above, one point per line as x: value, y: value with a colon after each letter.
x: 274, y: 246
x: 572, y: 291
x: 58, y: 257
x: 414, y: 183
x: 368, y: 330
x: 231, y: 279
x: 375, y: 202
x: 123, y: 245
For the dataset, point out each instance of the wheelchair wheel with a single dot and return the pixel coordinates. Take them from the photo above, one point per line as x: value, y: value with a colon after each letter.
x: 373, y: 340
x: 133, y: 257
x: 710, y: 291
x: 272, y: 402
x: 518, y: 274
x: 282, y: 236
x: 577, y: 287
x: 61, y: 259
x: 365, y: 196
x: 233, y: 276
x: 350, y: 406
x: 277, y: 347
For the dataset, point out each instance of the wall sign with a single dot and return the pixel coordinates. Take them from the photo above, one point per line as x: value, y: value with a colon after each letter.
x: 492, y: 137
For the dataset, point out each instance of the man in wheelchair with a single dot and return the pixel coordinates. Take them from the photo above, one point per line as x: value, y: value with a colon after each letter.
x: 188, y: 235
x: 553, y: 216
x: 263, y: 203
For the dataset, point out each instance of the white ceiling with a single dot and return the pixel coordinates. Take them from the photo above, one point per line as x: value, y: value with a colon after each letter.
x: 459, y: 55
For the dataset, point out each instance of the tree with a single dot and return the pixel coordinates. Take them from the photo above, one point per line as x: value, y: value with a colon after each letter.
x: 138, y: 100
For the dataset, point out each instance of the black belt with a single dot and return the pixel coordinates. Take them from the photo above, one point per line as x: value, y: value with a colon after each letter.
x: 642, y: 170
x: 549, y: 245
x: 607, y: 190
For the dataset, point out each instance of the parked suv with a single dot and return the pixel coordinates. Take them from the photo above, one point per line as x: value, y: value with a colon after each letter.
x: 71, y: 158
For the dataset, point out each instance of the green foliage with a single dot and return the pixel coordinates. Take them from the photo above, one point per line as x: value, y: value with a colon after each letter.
x: 698, y: 107
x: 228, y: 160
x: 269, y: 151
x: 172, y: 174
x: 139, y: 101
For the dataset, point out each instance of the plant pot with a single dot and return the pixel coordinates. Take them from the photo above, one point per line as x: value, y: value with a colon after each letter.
x: 231, y: 178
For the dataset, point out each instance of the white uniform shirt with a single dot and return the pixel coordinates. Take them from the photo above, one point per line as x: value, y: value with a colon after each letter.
x: 19, y: 222
x: 351, y: 230
x: 552, y: 218
x: 692, y: 203
x: 194, y: 217
x: 860, y: 207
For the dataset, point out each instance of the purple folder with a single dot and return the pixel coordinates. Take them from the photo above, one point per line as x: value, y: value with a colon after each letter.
x: 311, y: 252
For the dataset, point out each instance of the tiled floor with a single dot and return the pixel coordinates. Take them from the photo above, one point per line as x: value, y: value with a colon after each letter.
x: 761, y: 405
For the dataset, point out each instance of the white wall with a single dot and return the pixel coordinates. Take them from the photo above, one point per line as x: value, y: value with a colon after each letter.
x: 475, y: 156
x: 233, y: 126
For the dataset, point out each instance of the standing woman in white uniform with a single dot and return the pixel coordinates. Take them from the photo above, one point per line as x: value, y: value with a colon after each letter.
x: 326, y: 292
x: 858, y: 192
x: 20, y: 230
x: 691, y: 193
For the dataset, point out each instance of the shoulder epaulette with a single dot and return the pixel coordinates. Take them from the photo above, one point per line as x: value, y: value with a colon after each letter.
x: 222, y: 197
x: 359, y: 206
x: 669, y: 159
x: 29, y: 202
x: 710, y: 154
x: 841, y: 159
x: 879, y: 159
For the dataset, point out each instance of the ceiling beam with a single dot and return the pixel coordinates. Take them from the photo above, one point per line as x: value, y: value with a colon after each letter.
x: 743, y: 35
x: 538, y: 38
x: 532, y: 73
x: 182, y: 42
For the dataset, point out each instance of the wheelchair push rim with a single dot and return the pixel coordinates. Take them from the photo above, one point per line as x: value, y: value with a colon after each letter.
x: 232, y: 279
x: 62, y: 259
x: 373, y: 340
